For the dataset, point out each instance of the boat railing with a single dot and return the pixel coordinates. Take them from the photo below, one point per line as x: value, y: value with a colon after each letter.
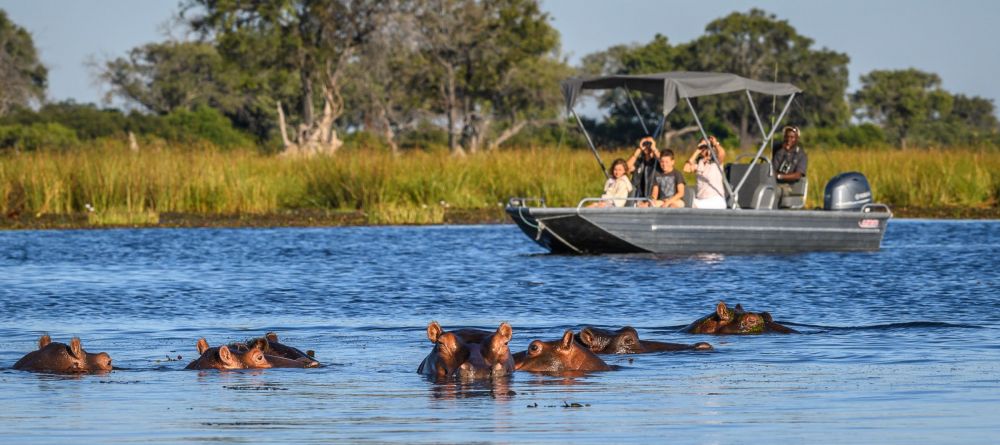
x: 586, y: 200
x: 867, y: 208
x: 523, y: 202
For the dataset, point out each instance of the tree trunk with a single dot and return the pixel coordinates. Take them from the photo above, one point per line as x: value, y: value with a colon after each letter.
x: 745, y: 141
x: 451, y: 104
x: 508, y: 133
x: 669, y: 135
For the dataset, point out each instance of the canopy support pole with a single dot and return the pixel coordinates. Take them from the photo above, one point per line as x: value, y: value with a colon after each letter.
x: 731, y: 201
x: 642, y: 121
x: 767, y: 136
x: 579, y: 123
x: 659, y: 128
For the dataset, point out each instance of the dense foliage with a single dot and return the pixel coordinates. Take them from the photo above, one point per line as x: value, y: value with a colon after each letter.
x: 311, y: 76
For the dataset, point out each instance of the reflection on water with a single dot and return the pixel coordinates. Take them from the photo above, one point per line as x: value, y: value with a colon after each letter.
x: 898, y: 345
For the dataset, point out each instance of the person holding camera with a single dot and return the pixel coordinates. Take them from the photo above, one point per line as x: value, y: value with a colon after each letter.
x: 642, y: 166
x: 710, y: 192
x: 789, y: 160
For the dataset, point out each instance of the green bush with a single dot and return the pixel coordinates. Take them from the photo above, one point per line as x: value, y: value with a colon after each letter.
x: 202, y: 123
x: 35, y: 136
x: 364, y: 141
x: 425, y: 136
x: 864, y: 135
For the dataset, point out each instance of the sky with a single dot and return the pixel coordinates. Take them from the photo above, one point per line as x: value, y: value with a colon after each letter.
x: 955, y: 39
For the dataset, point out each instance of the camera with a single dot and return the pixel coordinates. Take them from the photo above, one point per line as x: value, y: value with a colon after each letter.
x: 785, y: 166
x: 647, y: 144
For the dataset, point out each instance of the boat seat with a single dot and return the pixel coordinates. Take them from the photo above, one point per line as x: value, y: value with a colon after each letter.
x: 760, y: 189
x: 797, y: 198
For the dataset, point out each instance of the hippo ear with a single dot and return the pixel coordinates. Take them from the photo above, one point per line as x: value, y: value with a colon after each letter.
x: 739, y: 308
x: 311, y: 353
x: 567, y: 339
x: 44, y: 341
x: 767, y: 317
x: 258, y: 343
x: 433, y: 331
x: 225, y: 355
x: 505, y: 330
x: 271, y: 337
x: 587, y: 336
x: 722, y: 311
x: 202, y: 345
x: 75, y: 348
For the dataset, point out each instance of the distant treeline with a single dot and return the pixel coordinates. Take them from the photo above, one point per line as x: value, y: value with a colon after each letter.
x: 458, y: 75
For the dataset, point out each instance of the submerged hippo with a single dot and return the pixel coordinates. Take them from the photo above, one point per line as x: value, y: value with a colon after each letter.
x: 60, y: 357
x: 221, y: 357
x: 468, y: 353
x: 273, y: 350
x: 564, y: 355
x: 626, y: 341
x: 727, y: 320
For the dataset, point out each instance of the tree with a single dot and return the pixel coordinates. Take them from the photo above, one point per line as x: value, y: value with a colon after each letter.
x: 902, y: 101
x: 307, y: 44
x: 491, y: 62
x: 754, y: 44
x: 759, y: 46
x: 386, y: 95
x: 168, y: 76
x: 23, y: 78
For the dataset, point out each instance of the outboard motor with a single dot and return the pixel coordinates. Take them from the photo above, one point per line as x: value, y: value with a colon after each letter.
x: 847, y: 191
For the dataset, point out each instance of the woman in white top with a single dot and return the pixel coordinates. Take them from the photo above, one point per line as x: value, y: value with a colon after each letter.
x: 711, y: 193
x: 616, y: 188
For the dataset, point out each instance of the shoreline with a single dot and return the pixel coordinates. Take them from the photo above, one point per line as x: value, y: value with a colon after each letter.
x: 347, y: 218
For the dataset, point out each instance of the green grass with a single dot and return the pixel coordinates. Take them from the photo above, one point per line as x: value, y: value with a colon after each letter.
x: 126, y: 188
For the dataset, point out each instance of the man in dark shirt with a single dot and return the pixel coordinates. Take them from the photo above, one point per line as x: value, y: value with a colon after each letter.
x: 668, y: 183
x: 789, y: 160
x: 642, y: 167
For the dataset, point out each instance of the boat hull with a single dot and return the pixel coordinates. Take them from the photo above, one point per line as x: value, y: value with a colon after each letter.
x: 692, y: 231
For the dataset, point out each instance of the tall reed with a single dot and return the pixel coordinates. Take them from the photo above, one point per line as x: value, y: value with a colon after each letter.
x: 414, y: 186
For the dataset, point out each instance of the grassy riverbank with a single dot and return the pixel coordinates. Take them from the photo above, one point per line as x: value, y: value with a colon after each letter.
x: 108, y: 185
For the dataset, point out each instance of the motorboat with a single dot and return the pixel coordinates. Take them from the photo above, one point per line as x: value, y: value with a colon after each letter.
x: 757, y: 218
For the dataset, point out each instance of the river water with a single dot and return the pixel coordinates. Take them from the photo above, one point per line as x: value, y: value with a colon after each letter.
x: 897, y: 346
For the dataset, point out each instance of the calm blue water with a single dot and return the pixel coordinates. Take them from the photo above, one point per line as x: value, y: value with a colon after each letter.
x: 898, y: 346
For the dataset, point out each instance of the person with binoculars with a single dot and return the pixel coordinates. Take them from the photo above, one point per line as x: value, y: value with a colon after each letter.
x: 643, y: 165
x: 710, y: 192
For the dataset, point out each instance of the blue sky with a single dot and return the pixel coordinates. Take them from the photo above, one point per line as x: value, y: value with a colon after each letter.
x: 954, y: 39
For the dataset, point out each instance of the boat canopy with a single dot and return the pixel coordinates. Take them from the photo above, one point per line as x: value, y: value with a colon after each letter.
x: 674, y: 85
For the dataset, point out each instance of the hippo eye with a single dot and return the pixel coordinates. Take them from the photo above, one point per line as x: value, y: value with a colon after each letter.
x: 533, y: 348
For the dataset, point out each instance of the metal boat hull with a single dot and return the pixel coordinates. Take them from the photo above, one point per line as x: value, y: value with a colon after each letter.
x: 691, y: 231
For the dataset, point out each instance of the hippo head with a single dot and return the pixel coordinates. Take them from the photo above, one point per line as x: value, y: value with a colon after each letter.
x: 60, y: 357
x: 222, y: 357
x: 449, y: 352
x: 736, y: 320
x: 563, y: 355
x: 495, y: 351
x: 603, y: 341
x: 278, y: 354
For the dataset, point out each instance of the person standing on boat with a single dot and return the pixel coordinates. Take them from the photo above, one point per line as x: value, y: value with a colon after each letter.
x: 789, y: 160
x: 710, y: 193
x: 616, y: 188
x: 642, y: 167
